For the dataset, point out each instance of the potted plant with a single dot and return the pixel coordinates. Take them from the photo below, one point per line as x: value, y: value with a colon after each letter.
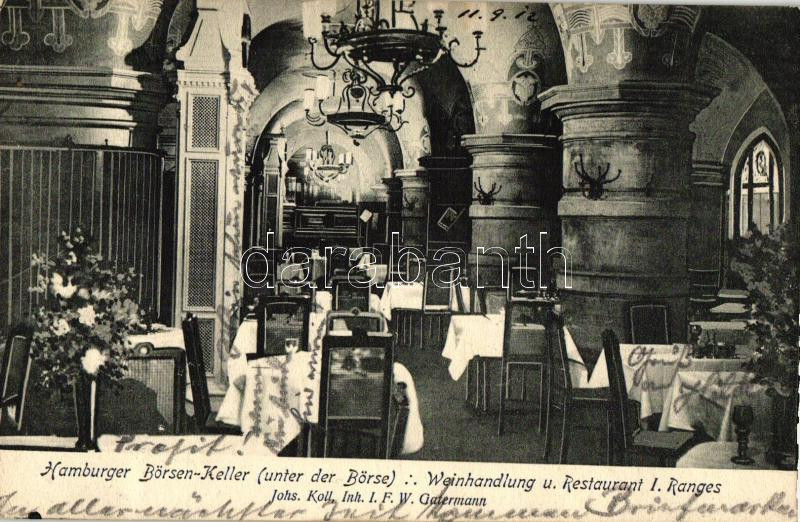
x: 769, y: 265
x: 81, y: 325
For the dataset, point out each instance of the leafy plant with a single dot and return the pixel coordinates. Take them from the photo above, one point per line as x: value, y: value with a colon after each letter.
x: 769, y: 264
x: 85, y: 316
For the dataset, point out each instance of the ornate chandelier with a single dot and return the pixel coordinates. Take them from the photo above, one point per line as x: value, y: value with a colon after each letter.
x: 378, y: 50
x: 324, y: 164
x: 358, y: 111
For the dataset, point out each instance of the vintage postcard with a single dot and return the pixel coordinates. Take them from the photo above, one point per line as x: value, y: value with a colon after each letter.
x: 398, y: 260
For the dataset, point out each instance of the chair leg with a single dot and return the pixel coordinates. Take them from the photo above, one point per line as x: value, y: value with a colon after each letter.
x: 562, y: 457
x: 541, y: 395
x: 609, y: 439
x: 504, y: 370
x: 486, y: 386
x: 547, y: 430
x: 468, y: 381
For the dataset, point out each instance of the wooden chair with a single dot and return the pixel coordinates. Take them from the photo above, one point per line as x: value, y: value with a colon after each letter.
x: 486, y: 301
x: 649, y: 323
x: 350, y: 294
x: 355, y: 322
x: 355, y: 396
x: 436, y: 304
x: 703, y: 286
x: 281, y: 320
x: 560, y: 393
x: 524, y: 345
x: 625, y: 434
x: 14, y: 375
x: 201, y: 401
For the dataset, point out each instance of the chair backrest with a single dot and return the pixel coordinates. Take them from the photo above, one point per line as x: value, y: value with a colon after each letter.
x: 155, y: 382
x: 703, y: 285
x: 491, y: 300
x: 649, y: 323
x: 435, y: 292
x: 363, y: 322
x: 197, y: 371
x: 557, y: 353
x: 355, y: 395
x: 282, y: 321
x: 523, y: 333
x: 351, y: 294
x: 618, y: 393
x: 520, y: 279
x: 14, y: 374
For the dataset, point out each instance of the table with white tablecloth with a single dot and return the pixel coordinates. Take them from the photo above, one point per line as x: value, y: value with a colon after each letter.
x: 409, y: 296
x: 270, y: 397
x: 706, y: 398
x: 727, y: 332
x: 160, y: 337
x: 717, y: 455
x: 650, y: 371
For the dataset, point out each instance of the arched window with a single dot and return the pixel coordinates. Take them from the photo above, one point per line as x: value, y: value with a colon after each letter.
x: 758, y: 198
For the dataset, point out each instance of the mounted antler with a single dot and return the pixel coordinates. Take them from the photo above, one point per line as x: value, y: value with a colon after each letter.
x: 409, y: 204
x: 484, y: 197
x: 592, y: 187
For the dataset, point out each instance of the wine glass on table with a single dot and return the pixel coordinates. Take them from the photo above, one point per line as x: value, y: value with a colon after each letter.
x: 742, y: 420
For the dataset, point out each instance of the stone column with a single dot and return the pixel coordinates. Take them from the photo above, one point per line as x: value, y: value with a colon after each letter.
x: 707, y: 228
x: 414, y: 200
x: 517, y: 169
x: 627, y: 236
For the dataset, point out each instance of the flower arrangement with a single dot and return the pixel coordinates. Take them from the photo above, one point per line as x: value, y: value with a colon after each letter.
x: 85, y: 315
x: 770, y: 267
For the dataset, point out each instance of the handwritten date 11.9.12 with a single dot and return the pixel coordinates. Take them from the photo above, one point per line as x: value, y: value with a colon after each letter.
x: 499, y: 14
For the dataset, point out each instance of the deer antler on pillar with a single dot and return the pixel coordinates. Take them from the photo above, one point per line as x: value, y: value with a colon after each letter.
x: 409, y: 204
x: 486, y: 197
x: 593, y: 187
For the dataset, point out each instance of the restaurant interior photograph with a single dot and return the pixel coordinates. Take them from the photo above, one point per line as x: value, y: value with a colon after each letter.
x: 508, y: 232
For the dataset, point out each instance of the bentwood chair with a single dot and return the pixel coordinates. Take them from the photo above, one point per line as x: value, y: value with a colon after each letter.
x: 282, y: 323
x: 524, y: 346
x: 562, y: 395
x: 625, y: 435
x: 14, y: 375
x: 355, y: 396
x: 201, y: 401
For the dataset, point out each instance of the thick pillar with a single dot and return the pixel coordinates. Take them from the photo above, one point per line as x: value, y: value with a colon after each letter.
x: 414, y: 200
x: 627, y: 173
x: 512, y: 195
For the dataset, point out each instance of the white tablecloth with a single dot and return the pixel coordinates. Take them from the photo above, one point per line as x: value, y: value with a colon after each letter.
x: 268, y: 397
x: 409, y: 295
x: 161, y: 338
x: 708, y: 397
x: 729, y: 332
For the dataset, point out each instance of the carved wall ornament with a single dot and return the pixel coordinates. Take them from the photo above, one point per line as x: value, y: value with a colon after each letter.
x: 136, y: 14
x: 594, y: 187
x: 527, y: 56
x: 582, y: 24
